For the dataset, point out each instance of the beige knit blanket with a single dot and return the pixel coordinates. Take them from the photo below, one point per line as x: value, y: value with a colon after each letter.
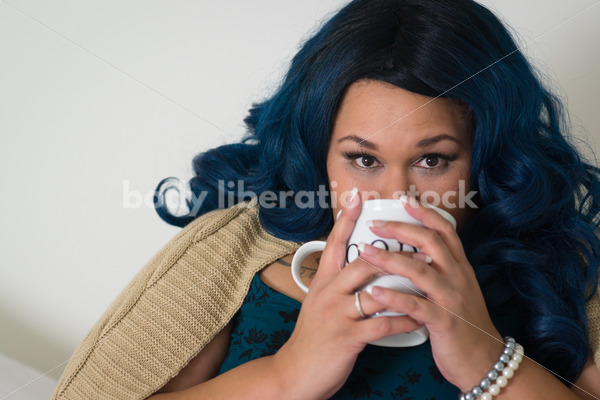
x: 593, y: 312
x: 173, y: 307
x: 178, y: 302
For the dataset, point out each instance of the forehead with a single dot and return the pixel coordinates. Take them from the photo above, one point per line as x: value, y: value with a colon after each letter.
x: 379, y: 110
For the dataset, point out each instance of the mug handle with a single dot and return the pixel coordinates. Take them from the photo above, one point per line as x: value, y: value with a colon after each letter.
x: 302, y: 252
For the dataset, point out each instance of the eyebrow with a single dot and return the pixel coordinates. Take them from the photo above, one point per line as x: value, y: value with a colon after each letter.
x: 435, y: 139
x: 423, y: 143
x: 362, y: 142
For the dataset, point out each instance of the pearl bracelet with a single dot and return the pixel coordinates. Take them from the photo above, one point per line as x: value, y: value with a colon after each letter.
x: 498, y: 376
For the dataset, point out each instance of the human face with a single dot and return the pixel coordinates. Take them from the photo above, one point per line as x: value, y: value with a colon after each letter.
x: 427, y: 149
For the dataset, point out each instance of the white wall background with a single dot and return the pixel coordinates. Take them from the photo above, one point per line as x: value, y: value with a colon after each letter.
x: 97, y: 95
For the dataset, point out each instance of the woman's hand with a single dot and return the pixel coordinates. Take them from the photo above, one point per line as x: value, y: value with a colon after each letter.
x: 329, y: 333
x: 464, y: 341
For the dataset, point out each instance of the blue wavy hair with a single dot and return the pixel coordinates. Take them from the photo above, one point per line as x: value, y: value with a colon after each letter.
x: 533, y: 239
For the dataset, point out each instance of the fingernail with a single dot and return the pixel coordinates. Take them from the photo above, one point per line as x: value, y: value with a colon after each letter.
x: 411, y: 201
x: 375, y: 223
x: 422, y: 257
x: 376, y: 291
x: 365, y: 248
x: 352, y: 196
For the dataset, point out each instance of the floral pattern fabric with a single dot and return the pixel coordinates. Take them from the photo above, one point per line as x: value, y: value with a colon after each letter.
x: 266, y: 321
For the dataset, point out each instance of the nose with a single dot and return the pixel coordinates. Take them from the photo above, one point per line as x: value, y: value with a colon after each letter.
x: 396, y: 183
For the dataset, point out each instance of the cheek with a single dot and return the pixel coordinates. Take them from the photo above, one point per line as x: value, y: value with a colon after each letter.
x: 334, y: 176
x: 339, y: 195
x: 341, y: 183
x: 455, y: 197
x: 462, y: 216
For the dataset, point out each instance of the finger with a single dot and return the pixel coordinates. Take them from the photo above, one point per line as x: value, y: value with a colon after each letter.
x: 368, y: 305
x: 416, y: 255
x: 372, y: 329
x: 418, y: 307
x: 333, y: 257
x: 355, y: 275
x: 421, y: 274
x: 426, y: 240
x: 432, y: 219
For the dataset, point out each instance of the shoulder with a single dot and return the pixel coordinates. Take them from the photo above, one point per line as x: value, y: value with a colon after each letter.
x: 224, y: 237
x: 244, y: 215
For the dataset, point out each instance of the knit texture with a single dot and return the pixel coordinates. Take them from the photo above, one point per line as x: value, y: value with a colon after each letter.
x: 173, y: 307
x: 179, y: 301
x: 593, y: 313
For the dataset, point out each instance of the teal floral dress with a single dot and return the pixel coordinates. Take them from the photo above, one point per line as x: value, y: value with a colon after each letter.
x: 266, y: 321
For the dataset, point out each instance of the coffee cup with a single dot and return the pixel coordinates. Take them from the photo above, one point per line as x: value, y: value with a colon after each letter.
x: 377, y: 209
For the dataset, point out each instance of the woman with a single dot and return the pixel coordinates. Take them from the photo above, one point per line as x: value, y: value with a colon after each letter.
x: 406, y: 96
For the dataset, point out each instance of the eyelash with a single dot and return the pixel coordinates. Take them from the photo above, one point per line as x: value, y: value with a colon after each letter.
x: 353, y: 155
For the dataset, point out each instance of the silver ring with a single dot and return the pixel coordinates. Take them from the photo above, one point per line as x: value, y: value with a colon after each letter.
x: 357, y: 304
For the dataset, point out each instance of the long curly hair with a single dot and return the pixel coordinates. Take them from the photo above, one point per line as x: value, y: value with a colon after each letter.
x: 532, y: 242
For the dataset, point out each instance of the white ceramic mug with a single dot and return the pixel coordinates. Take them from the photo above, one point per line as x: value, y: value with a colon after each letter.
x: 378, y: 209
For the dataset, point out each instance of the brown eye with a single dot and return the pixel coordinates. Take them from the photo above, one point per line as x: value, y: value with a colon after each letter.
x: 362, y: 160
x: 435, y: 161
x: 365, y: 161
x: 432, y: 161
